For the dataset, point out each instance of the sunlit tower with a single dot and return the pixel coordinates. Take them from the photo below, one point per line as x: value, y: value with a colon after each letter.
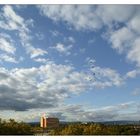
x: 43, y: 123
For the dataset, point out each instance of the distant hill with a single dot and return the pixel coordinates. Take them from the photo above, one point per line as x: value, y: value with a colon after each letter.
x: 120, y: 122
x: 34, y: 123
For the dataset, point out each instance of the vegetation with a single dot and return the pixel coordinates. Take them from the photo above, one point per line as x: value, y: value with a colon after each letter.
x: 96, y: 129
x: 11, y: 127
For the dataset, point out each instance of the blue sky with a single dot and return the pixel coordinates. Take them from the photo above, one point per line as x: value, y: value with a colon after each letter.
x: 74, y: 62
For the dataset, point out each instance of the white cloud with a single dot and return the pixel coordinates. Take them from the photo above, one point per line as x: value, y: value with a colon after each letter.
x: 89, y: 17
x: 134, y: 23
x: 62, y: 49
x: 132, y: 74
x: 78, y: 112
x: 42, y: 60
x: 134, y: 53
x: 102, y: 77
x: 79, y: 16
x: 26, y: 43
x: 43, y: 87
x: 109, y: 15
x: 12, y: 21
x: 7, y: 49
x: 48, y: 85
x: 106, y: 77
x: 34, y: 52
x: 7, y: 58
x: 6, y: 44
x: 122, y: 39
x: 90, y: 61
x: 125, y: 39
x: 127, y: 42
x: 123, y: 30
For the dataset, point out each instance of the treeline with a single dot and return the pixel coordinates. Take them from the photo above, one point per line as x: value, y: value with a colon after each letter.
x: 11, y: 127
x: 96, y: 129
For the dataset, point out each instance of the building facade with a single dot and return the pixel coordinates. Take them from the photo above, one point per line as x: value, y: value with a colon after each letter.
x: 49, y: 122
x: 52, y: 122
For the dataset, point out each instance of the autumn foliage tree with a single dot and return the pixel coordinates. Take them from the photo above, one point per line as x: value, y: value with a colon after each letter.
x: 11, y: 127
x: 96, y: 129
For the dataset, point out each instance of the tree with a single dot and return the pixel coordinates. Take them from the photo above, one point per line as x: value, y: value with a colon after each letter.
x: 11, y: 127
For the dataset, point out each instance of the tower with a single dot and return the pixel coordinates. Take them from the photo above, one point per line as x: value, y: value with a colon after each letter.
x: 43, y: 123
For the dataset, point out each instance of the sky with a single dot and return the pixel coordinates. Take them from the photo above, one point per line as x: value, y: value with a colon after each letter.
x: 74, y: 62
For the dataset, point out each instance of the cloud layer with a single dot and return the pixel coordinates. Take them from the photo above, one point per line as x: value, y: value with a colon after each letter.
x: 125, y: 39
x: 45, y: 86
x: 7, y: 48
x: 11, y: 21
x: 78, y: 112
x: 48, y: 85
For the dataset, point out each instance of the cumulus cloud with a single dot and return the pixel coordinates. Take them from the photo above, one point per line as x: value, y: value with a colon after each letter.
x: 132, y: 74
x: 134, y: 22
x: 37, y: 52
x: 14, y: 22
x: 106, y: 77
x: 42, y: 60
x: 123, y: 30
x: 109, y: 15
x: 43, y: 87
x: 61, y: 48
x: 6, y: 44
x: 7, y: 49
x: 89, y: 17
x: 78, y: 16
x: 134, y: 52
x: 10, y: 20
x: 7, y: 58
x: 124, y: 39
x: 48, y: 85
x: 102, y: 77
